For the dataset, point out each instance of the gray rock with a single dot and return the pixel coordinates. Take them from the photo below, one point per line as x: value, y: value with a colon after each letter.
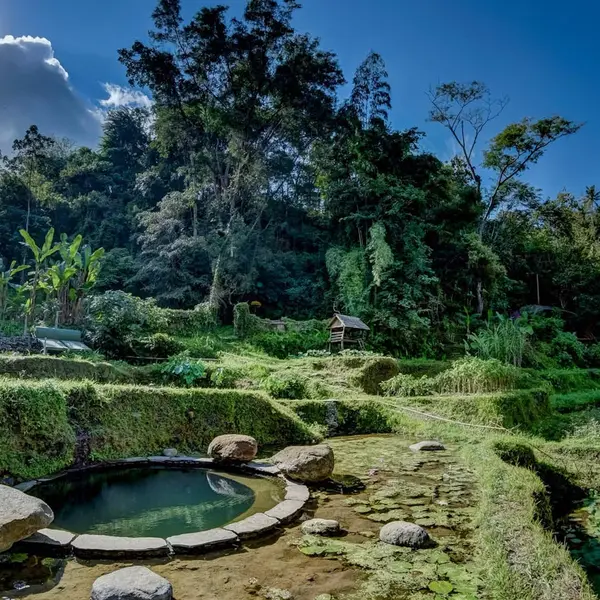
x: 20, y: 516
x: 286, y: 511
x: 132, y: 583
x: 253, y: 526
x: 428, y: 446
x: 170, y: 452
x: 321, y: 527
x: 296, y: 491
x: 99, y: 546
x: 401, y: 533
x: 47, y: 542
x: 233, y: 448
x: 305, y: 463
x: 202, y: 541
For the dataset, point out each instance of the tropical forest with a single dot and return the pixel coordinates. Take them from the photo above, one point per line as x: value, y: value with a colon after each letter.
x: 261, y: 343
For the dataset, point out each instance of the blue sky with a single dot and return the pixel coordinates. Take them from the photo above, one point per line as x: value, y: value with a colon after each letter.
x: 543, y: 55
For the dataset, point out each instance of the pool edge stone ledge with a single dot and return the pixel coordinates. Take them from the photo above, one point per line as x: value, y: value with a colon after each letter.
x: 109, y: 546
x: 53, y: 541
x: 203, y: 541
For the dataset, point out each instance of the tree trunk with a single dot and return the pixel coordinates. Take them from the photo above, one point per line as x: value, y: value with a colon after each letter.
x: 480, y: 304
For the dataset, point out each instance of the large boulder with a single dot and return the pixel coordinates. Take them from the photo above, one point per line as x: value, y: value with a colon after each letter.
x: 21, y: 515
x: 305, y: 463
x: 233, y: 448
x: 401, y: 533
x: 132, y: 583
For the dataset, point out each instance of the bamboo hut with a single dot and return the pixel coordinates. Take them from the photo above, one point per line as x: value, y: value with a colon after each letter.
x: 345, y: 330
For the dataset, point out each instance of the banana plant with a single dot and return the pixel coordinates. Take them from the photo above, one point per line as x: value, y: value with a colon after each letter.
x: 40, y: 256
x: 6, y: 277
x: 68, y: 281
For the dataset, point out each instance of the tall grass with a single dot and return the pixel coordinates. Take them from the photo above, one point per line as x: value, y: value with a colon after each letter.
x: 502, y: 338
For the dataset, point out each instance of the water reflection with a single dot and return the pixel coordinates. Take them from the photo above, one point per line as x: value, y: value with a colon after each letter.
x: 145, y: 501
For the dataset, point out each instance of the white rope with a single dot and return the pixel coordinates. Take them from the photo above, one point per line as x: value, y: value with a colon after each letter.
x: 430, y: 416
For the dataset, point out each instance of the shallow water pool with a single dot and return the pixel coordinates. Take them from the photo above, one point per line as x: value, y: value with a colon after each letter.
x: 153, y: 501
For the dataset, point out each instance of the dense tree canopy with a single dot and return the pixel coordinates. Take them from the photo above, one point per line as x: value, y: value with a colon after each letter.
x: 252, y: 179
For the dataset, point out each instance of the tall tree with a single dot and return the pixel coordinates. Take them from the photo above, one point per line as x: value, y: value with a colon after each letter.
x: 232, y: 95
x: 466, y: 110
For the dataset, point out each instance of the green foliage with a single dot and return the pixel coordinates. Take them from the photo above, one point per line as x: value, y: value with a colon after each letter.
x: 576, y: 401
x: 510, y: 409
x: 226, y: 377
x: 158, y: 345
x: 117, y: 319
x: 289, y: 343
x: 202, y: 319
x: 287, y: 385
x: 183, y: 370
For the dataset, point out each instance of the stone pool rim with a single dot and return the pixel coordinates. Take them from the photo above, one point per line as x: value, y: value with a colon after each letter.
x: 66, y: 543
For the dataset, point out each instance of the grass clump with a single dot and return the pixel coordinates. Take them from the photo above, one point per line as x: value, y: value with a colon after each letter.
x: 374, y: 372
x: 287, y: 385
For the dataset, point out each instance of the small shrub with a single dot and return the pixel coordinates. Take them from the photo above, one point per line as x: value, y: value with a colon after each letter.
x: 116, y: 320
x: 373, y: 373
x: 226, y: 377
x: 204, y: 346
x: 567, y: 349
x: 286, y: 385
x: 407, y: 385
x: 184, y: 370
x: 158, y: 345
x: 592, y: 355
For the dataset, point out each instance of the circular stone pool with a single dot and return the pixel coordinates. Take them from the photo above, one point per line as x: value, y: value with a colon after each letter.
x: 154, y: 501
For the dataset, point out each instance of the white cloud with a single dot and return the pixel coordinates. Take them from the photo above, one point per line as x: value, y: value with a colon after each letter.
x: 35, y: 89
x: 121, y: 96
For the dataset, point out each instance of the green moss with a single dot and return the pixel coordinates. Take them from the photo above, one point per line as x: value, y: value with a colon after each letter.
x: 515, y: 453
x: 346, y: 417
x: 36, y: 437
x: 49, y: 367
x: 41, y: 420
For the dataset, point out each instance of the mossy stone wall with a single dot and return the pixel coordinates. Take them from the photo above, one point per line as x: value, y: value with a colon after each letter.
x: 41, y: 422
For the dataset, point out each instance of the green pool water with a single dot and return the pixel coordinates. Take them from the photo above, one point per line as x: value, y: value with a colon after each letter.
x: 153, y: 502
